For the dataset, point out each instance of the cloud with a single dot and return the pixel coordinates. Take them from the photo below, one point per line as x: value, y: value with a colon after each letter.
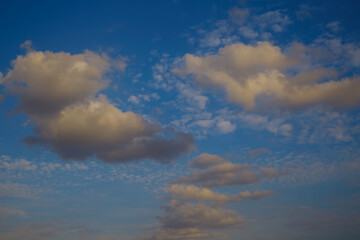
x: 238, y: 15
x: 276, y: 20
x: 259, y: 151
x: 304, y: 12
x: 42, y: 231
x: 271, y: 172
x: 133, y: 99
x: 19, y: 164
x: 46, y: 82
x: 4, y: 212
x: 178, y: 234
x: 191, y: 192
x: 183, y: 215
x: 205, y: 160
x: 59, y: 92
x: 192, y: 209
x: 225, y: 126
x: 258, y: 77
x: 19, y: 190
x: 225, y: 173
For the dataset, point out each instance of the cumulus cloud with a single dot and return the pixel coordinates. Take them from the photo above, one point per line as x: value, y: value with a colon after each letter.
x: 224, y: 173
x: 46, y: 82
x: 193, y: 211
x: 59, y: 92
x: 258, y: 77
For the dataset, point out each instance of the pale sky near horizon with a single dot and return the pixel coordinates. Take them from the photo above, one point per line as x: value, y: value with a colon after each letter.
x: 179, y: 120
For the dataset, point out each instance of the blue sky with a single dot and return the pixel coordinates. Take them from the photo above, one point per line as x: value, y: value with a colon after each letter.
x: 179, y: 120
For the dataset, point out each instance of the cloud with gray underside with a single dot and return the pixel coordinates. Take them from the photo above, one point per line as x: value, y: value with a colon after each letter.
x: 264, y: 76
x: 194, y: 212
x: 214, y: 171
x: 59, y: 92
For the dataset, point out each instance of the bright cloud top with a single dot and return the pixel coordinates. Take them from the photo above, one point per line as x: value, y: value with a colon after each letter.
x: 259, y: 77
x: 58, y: 91
x: 193, y: 211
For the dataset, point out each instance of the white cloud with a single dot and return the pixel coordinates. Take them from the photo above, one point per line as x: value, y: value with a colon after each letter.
x: 133, y: 99
x: 18, y: 164
x: 192, y: 192
x: 59, y: 92
x: 225, y: 126
x: 256, y: 78
x: 46, y: 82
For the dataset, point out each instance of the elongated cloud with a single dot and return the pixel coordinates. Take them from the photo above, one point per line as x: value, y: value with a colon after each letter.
x: 224, y: 173
x: 258, y: 77
x: 59, y: 92
x: 178, y: 234
x: 183, y: 215
x: 191, y: 192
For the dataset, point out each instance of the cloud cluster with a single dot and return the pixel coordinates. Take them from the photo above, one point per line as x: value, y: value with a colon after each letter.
x: 213, y: 171
x: 262, y: 76
x: 193, y: 211
x: 192, y: 192
x: 59, y: 92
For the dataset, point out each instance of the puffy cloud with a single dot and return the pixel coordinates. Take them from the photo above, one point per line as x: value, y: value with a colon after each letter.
x: 58, y: 91
x: 225, y: 173
x: 225, y: 126
x: 259, y: 77
x: 184, y: 220
x: 133, y: 99
x: 46, y: 82
x: 99, y: 128
x: 183, y: 215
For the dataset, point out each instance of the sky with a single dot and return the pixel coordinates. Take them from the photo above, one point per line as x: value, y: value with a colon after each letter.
x: 179, y: 120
